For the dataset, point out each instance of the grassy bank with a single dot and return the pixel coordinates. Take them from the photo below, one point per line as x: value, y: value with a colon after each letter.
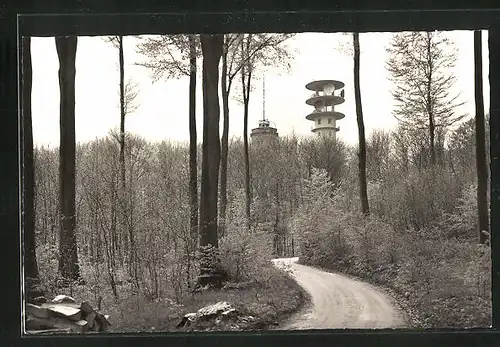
x: 420, y: 241
x: 443, y: 284
x: 270, y: 303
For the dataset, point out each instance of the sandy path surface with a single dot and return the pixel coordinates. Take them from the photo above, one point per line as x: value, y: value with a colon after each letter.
x: 339, y: 302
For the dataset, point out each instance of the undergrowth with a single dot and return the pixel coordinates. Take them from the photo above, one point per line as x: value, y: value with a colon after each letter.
x: 439, y: 269
x: 254, y: 286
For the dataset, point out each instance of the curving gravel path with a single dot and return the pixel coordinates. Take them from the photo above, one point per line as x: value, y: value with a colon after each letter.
x: 339, y: 302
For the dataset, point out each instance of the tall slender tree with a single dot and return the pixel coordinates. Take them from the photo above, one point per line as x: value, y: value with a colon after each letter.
x: 167, y: 54
x: 264, y: 49
x: 481, y: 165
x: 68, y: 255
x: 117, y: 42
x: 121, y: 160
x: 30, y: 263
x: 225, y: 136
x: 256, y: 50
x: 363, y: 194
x: 193, y: 166
x: 419, y: 64
x: 246, y: 77
x: 212, y: 51
x: 122, y: 111
x: 128, y: 94
x: 210, y: 273
x: 176, y: 56
x: 227, y: 78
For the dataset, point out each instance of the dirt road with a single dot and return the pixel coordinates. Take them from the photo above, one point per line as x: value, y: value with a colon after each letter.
x: 339, y: 302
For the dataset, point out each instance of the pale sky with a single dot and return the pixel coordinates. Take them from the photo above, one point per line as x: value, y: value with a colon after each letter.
x: 163, y: 106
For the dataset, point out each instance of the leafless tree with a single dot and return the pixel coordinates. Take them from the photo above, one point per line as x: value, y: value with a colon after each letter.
x: 246, y: 78
x: 175, y: 56
x: 68, y: 256
x: 212, y: 46
x: 419, y: 64
x: 481, y: 165
x: 363, y: 194
x: 29, y: 243
x: 263, y: 50
x: 256, y: 52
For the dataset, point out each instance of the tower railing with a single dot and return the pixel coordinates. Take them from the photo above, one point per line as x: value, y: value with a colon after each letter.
x: 317, y: 94
x: 324, y: 109
x: 329, y: 126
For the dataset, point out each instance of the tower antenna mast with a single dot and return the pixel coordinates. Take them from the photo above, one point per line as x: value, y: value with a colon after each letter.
x: 264, y: 131
x: 263, y: 98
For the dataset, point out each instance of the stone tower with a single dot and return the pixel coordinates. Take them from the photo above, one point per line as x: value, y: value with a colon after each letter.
x: 264, y: 133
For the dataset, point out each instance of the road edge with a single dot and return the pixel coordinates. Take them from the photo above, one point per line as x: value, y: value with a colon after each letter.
x: 408, y: 314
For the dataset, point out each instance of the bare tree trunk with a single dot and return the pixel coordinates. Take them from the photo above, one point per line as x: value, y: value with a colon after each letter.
x: 246, y: 99
x: 109, y: 255
x: 482, y: 168
x: 494, y: 137
x: 122, y: 186
x: 248, y: 197
x: 133, y: 267
x: 113, y: 219
x: 277, y: 216
x: 68, y: 256
x: 192, y: 239
x: 363, y: 194
x: 212, y: 51
x: 225, y: 140
x: 432, y: 125
x: 193, y: 168
x: 432, y: 131
x: 29, y: 242
x: 122, y: 112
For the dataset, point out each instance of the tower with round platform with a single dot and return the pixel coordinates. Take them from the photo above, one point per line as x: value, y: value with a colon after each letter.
x: 264, y: 132
x: 326, y: 95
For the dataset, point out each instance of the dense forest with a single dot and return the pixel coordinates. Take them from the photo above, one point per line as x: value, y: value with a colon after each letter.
x: 162, y: 228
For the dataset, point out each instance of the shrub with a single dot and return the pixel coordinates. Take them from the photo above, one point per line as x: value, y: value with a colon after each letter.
x: 414, y: 199
x: 461, y: 223
x: 444, y: 278
x: 245, y: 253
x: 48, y: 266
x: 438, y: 267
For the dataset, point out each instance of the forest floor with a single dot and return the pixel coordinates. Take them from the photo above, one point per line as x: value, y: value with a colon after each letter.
x: 341, y: 302
x: 270, y: 303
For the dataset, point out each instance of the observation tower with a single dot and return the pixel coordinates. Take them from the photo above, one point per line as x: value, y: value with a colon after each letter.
x: 264, y: 132
x: 324, y: 99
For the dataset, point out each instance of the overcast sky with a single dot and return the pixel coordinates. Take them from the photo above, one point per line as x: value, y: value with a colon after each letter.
x: 163, y: 106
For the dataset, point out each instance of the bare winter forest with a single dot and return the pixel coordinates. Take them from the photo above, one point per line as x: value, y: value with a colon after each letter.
x: 148, y: 231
